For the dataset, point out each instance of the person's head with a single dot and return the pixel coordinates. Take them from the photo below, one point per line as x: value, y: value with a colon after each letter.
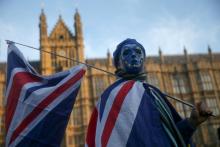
x: 129, y: 58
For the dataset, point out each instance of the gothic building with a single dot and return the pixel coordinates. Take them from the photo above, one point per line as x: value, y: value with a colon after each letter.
x: 191, y: 77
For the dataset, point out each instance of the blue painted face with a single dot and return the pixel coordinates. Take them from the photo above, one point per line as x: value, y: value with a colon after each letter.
x: 132, y: 59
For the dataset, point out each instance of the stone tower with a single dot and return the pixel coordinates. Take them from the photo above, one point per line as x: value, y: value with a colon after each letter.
x: 61, y: 41
x: 79, y: 37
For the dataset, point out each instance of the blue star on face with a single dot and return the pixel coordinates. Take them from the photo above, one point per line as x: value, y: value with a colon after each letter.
x: 132, y: 59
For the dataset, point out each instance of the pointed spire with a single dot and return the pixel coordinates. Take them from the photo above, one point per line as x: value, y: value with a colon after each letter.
x: 209, y: 49
x: 184, y: 50
x: 77, y: 14
x: 77, y: 17
x: 78, y: 25
x: 60, y: 17
x: 42, y: 15
x: 185, y: 54
x: 42, y: 11
x: 210, y: 53
x: 161, y: 55
x: 108, y: 53
x: 159, y: 51
x: 43, y: 25
x: 109, y: 58
x: 79, y: 35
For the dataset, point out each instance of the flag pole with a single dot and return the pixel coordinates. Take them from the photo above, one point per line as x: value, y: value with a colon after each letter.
x: 91, y: 66
x: 179, y: 100
x: 184, y: 102
x: 74, y: 60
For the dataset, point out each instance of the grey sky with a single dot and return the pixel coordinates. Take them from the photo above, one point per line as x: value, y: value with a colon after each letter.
x: 170, y: 24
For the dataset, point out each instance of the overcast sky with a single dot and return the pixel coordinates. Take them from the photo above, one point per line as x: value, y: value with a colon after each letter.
x: 170, y: 24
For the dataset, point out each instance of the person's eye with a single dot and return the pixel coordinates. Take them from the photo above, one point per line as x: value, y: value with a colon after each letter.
x: 126, y: 52
x: 138, y: 50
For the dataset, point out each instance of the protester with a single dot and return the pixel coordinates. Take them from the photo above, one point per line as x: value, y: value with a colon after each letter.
x: 131, y: 112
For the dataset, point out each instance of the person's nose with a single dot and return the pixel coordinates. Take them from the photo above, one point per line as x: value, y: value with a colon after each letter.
x: 133, y: 55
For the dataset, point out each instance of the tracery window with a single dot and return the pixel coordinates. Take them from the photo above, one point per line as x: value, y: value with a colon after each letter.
x: 179, y: 83
x: 206, y: 81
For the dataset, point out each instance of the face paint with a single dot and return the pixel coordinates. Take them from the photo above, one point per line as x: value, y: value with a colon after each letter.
x: 132, y: 59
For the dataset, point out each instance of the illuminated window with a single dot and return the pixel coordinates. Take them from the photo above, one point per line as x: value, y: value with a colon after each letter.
x: 153, y: 80
x: 206, y: 81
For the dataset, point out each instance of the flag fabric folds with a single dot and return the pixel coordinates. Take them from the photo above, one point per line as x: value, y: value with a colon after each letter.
x: 111, y: 114
x: 38, y: 107
x: 126, y: 115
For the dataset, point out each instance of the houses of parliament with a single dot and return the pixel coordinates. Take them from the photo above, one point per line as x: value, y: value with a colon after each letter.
x: 190, y: 77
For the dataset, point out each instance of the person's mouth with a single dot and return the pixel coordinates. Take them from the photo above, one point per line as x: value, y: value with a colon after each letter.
x: 133, y: 63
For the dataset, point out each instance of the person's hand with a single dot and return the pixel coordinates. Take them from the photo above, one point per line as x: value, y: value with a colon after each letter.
x: 199, y: 114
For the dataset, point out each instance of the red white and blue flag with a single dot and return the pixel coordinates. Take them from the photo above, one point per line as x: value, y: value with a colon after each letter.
x: 113, y: 117
x: 127, y: 114
x: 38, y: 107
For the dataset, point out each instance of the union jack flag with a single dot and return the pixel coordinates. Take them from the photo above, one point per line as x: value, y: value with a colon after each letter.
x: 133, y: 113
x: 111, y: 113
x: 38, y: 107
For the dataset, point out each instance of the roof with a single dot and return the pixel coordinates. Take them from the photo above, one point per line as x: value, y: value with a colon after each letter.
x: 61, y: 29
x: 168, y: 59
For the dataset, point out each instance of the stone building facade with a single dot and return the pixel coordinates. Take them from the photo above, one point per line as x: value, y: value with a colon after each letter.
x: 2, y: 89
x: 190, y: 77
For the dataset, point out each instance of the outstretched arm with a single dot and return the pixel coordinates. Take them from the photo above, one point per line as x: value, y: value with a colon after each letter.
x: 198, y: 115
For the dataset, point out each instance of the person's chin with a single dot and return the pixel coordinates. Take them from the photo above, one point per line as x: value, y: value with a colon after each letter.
x: 133, y: 70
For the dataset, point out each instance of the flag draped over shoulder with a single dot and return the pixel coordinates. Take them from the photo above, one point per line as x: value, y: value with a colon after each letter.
x: 111, y: 114
x: 38, y: 107
x: 128, y: 114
